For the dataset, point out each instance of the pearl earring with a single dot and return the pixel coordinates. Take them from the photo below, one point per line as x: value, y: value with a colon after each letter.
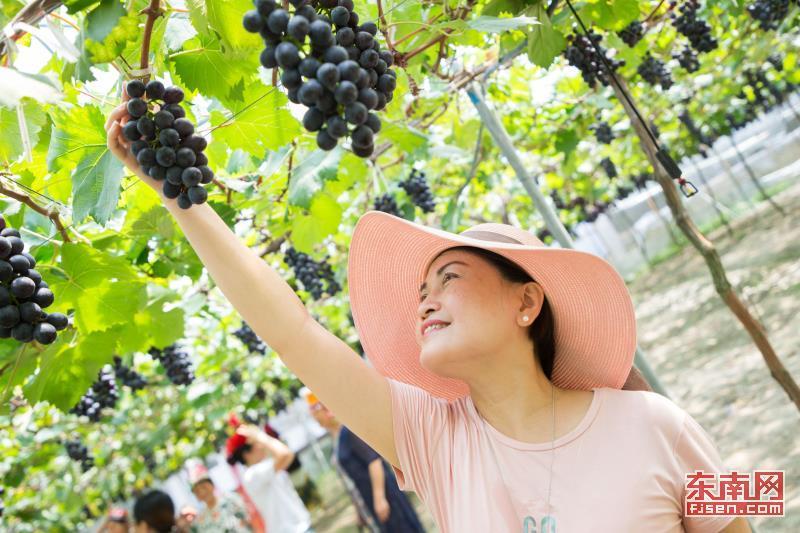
x: 525, y: 318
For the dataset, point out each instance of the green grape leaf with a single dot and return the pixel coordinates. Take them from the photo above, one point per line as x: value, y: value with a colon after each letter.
x: 310, y: 174
x: 323, y: 220
x: 260, y: 123
x: 74, y: 134
x: 66, y: 371
x: 10, y: 133
x: 405, y: 138
x: 204, y: 67
x: 96, y: 186
x: 225, y: 16
x: 104, y: 290
x: 544, y: 42
x: 103, y: 18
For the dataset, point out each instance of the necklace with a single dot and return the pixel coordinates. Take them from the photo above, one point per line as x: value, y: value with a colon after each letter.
x: 552, y: 454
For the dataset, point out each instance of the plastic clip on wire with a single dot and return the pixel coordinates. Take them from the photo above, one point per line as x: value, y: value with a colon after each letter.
x: 669, y: 164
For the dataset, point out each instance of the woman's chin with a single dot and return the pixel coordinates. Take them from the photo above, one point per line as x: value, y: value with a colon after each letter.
x: 436, y: 362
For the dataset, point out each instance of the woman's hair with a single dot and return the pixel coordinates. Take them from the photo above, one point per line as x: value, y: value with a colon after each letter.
x: 542, y: 331
x: 156, y: 509
x: 238, y: 455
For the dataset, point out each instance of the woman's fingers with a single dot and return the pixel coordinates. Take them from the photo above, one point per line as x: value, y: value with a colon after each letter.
x: 117, y: 113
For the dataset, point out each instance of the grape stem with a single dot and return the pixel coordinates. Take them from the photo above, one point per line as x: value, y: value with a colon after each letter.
x: 385, y: 29
x: 153, y: 11
x: 27, y: 200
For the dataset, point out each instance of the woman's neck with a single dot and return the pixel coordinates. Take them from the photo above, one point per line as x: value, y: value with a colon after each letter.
x: 212, y: 502
x: 516, y: 399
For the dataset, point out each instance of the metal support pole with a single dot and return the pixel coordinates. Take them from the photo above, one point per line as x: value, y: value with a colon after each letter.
x: 552, y: 222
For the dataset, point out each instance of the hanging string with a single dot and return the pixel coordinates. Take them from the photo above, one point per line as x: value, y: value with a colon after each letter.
x: 669, y: 164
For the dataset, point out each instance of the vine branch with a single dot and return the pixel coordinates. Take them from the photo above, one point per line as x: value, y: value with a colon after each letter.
x: 153, y: 11
x: 53, y: 215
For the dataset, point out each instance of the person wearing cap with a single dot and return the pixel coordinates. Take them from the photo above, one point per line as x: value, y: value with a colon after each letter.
x: 266, y: 481
x: 497, y: 371
x: 387, y: 508
x: 223, y: 513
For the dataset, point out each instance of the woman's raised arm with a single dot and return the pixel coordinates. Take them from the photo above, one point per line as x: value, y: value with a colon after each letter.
x: 356, y: 392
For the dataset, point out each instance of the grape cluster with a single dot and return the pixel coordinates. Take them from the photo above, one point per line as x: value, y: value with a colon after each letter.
x: 654, y: 72
x: 632, y: 33
x: 687, y: 58
x: 623, y: 192
x: 776, y: 60
x: 329, y: 63
x: 387, y: 204
x: 694, y: 130
x: 279, y: 402
x: 609, y: 168
x: 695, y: 29
x: 250, y: 339
x: 176, y: 362
x: 769, y: 13
x: 580, y: 53
x: 640, y: 180
x: 80, y: 453
x: 102, y: 393
x: 23, y: 294
x: 164, y: 143
x: 128, y: 376
x: 416, y: 186
x: 312, y: 273
x: 557, y: 200
x: 235, y: 377
x: 543, y: 234
x: 603, y: 133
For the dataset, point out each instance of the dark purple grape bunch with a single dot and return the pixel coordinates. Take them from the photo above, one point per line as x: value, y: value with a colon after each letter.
x: 769, y: 13
x: 250, y: 339
x: 687, y: 58
x: 655, y: 72
x: 176, y: 362
x: 583, y: 53
x: 640, y: 180
x: 544, y: 235
x: 417, y: 188
x: 776, y: 60
x: 623, y: 192
x: 329, y: 63
x: 103, y: 393
x: 693, y: 28
x: 164, y: 142
x: 314, y: 275
x: 602, y: 131
x: 387, y: 204
x: 632, y: 33
x: 235, y: 378
x: 128, y: 376
x: 24, y: 294
x: 609, y: 168
x: 77, y: 451
x: 558, y: 202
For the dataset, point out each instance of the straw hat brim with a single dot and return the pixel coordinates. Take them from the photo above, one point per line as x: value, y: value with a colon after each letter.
x: 595, y: 323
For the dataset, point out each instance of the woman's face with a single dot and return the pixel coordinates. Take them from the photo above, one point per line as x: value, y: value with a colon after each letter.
x: 483, y: 313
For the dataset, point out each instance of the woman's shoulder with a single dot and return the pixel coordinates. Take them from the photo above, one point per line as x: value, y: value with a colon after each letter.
x: 644, y: 407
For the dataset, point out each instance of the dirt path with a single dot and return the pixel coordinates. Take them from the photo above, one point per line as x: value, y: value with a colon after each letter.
x: 707, y: 362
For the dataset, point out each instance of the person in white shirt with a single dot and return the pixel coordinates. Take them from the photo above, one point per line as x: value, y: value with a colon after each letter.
x: 266, y: 480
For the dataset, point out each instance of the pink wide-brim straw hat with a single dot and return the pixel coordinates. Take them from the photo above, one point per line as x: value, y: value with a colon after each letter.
x: 595, y: 324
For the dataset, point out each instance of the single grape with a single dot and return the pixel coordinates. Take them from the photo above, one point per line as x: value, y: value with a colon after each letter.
x: 154, y: 90
x: 135, y: 88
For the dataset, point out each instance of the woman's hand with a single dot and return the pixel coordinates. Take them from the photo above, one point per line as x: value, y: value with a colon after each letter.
x: 120, y: 146
x: 382, y: 508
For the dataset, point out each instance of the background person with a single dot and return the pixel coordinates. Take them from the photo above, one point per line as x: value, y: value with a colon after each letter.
x: 388, y: 507
x: 266, y: 481
x: 223, y: 513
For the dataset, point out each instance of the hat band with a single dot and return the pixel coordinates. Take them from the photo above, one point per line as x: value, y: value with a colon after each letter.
x: 489, y: 236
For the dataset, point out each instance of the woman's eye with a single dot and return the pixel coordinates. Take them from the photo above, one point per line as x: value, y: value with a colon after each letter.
x: 447, y: 277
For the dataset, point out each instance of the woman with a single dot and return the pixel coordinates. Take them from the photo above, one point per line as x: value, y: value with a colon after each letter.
x: 512, y: 368
x: 224, y: 513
